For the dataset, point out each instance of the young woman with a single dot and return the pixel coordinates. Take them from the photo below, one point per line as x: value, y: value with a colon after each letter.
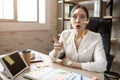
x: 83, y: 48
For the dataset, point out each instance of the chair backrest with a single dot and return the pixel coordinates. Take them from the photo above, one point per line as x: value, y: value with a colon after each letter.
x: 102, y: 26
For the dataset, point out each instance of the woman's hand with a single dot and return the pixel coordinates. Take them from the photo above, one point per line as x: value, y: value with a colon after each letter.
x: 58, y: 46
x: 66, y: 62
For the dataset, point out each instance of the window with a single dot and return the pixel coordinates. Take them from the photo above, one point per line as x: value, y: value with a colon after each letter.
x: 22, y: 10
x: 6, y: 6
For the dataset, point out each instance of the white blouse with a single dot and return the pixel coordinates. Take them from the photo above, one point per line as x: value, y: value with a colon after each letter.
x: 90, y: 52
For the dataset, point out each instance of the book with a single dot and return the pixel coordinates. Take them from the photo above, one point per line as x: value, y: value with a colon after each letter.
x: 68, y: 9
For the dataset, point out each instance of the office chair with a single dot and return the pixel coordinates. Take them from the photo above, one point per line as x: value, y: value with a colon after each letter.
x: 102, y: 26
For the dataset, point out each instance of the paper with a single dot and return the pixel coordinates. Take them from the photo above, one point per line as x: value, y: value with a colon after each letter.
x: 59, y: 78
x: 9, y: 60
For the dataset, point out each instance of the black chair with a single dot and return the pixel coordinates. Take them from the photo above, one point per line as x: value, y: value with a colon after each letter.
x: 102, y: 26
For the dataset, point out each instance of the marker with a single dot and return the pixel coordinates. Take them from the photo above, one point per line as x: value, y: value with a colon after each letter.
x: 69, y: 77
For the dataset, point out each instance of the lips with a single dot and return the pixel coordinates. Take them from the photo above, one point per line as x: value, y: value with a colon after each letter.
x: 78, y: 26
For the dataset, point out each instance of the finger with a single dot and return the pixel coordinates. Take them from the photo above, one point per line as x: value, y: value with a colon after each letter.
x: 58, y: 45
x: 57, y: 48
x: 55, y: 38
x: 61, y: 42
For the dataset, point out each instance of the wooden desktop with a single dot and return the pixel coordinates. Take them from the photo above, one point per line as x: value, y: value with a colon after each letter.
x: 47, y: 60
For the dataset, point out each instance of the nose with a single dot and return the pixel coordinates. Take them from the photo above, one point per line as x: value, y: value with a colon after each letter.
x: 77, y: 20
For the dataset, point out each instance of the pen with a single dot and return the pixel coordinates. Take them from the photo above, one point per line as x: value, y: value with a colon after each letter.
x: 68, y: 78
x: 73, y: 77
x: 81, y: 78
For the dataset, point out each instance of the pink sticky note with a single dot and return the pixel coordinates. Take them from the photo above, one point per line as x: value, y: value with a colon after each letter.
x: 94, y: 78
x: 59, y: 78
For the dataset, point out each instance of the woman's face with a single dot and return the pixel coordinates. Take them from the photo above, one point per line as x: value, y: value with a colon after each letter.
x: 78, y: 19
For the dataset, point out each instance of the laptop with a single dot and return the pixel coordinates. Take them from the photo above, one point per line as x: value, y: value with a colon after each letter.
x: 13, y: 64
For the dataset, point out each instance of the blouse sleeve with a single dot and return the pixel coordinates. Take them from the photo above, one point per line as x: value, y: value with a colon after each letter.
x: 53, y: 51
x: 99, y: 64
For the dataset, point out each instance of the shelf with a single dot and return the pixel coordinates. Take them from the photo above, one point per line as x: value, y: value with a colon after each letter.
x: 76, y: 1
x: 67, y: 2
x: 113, y: 40
x: 68, y: 19
x: 111, y: 17
x: 72, y: 1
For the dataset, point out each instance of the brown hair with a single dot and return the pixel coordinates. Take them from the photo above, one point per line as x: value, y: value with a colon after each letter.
x: 82, y: 7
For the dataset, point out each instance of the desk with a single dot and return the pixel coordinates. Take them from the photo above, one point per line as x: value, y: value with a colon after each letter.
x: 54, y: 65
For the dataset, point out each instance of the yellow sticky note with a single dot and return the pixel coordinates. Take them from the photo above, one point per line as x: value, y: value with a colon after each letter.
x: 61, y: 72
x: 9, y: 60
x: 59, y: 78
x: 67, y: 41
x: 34, y: 72
x: 69, y: 62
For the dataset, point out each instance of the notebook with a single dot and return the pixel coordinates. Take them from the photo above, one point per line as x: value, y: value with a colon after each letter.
x: 48, y: 73
x: 13, y: 64
x: 38, y: 74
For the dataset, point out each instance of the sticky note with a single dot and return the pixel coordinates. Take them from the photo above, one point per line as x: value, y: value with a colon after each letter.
x: 67, y: 41
x: 86, y: 22
x: 61, y: 72
x: 9, y: 60
x: 69, y: 62
x: 34, y: 72
x: 94, y: 78
x: 59, y: 78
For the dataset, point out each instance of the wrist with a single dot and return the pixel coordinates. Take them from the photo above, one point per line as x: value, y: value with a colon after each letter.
x: 55, y: 53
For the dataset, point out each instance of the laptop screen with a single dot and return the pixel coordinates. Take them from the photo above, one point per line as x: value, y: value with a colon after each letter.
x: 14, y: 63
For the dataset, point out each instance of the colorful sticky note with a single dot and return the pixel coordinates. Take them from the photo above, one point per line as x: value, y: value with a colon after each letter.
x: 67, y: 41
x: 94, y: 78
x: 62, y: 72
x: 9, y: 60
x: 69, y: 62
x: 59, y: 78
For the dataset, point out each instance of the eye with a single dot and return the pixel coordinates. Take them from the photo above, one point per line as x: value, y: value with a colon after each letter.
x: 74, y: 16
x: 82, y: 17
